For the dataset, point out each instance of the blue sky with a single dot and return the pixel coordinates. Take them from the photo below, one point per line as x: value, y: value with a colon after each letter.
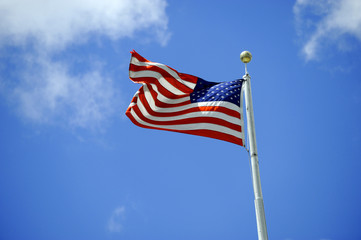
x: 72, y: 166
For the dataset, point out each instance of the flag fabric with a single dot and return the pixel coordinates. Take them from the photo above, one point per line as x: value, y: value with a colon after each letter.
x: 178, y: 102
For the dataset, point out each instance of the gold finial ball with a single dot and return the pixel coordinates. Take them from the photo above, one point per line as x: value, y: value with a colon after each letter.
x: 246, y: 56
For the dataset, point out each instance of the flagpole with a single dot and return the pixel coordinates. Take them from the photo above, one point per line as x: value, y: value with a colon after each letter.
x: 256, y: 180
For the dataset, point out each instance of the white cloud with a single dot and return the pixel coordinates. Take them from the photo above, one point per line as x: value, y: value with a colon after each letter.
x: 54, y: 24
x: 116, y: 221
x: 328, y: 21
x: 50, y: 94
x: 46, y: 87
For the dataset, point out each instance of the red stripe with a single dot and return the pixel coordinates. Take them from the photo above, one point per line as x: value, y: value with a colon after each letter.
x: 199, y: 119
x: 159, y: 103
x: 185, y: 77
x: 204, y: 133
x: 139, y: 57
x: 165, y: 92
x: 169, y: 78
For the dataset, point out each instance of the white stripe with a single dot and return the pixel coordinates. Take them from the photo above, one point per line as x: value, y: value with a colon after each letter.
x: 164, y: 99
x: 159, y: 77
x: 211, y: 114
x: 151, y: 102
x: 174, y: 74
x: 192, y: 126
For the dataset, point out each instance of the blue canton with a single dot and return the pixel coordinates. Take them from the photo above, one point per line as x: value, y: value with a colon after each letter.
x: 213, y: 91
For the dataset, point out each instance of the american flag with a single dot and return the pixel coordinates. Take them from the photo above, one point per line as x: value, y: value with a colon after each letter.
x: 178, y: 102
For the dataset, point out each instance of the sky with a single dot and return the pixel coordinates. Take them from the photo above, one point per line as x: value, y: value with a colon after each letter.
x: 73, y: 166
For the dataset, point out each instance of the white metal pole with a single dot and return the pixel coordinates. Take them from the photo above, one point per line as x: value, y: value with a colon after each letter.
x: 256, y: 180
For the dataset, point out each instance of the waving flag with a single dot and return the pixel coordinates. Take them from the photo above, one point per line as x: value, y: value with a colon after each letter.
x: 180, y: 102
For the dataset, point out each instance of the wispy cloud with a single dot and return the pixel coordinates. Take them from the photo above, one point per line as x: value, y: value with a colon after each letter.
x: 116, y: 221
x: 48, y: 93
x: 57, y: 23
x: 46, y: 87
x: 326, y: 22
